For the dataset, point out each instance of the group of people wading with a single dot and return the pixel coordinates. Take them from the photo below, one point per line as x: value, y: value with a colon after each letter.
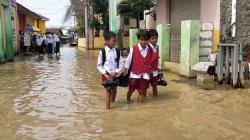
x: 142, y: 66
x: 39, y: 43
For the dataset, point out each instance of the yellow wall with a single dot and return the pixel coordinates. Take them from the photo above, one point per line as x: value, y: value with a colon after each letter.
x: 35, y: 23
x: 216, y: 40
x: 42, y: 26
x: 29, y: 20
x: 99, y: 42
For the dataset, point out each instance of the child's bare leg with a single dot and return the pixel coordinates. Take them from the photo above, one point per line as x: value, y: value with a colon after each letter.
x: 141, y: 98
x: 141, y: 95
x: 129, y: 94
x: 108, y: 96
x: 155, y: 91
x: 113, y: 94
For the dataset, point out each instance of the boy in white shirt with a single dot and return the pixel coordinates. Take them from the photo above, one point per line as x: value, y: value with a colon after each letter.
x: 109, y: 65
x: 152, y: 36
x: 139, y: 62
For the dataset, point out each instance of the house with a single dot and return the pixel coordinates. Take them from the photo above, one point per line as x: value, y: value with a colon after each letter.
x: 27, y: 16
x: 57, y: 31
x: 173, y: 12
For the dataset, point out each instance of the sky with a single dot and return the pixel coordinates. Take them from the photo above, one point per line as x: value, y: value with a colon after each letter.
x: 52, y: 9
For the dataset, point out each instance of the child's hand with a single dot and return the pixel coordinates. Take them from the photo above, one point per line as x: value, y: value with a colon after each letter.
x: 150, y: 72
x: 125, y: 72
x: 114, y: 74
x: 106, y: 76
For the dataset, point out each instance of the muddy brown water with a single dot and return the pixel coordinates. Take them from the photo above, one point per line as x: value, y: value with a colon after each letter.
x: 61, y: 98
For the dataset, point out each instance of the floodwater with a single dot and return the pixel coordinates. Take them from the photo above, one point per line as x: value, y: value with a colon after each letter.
x: 61, y: 98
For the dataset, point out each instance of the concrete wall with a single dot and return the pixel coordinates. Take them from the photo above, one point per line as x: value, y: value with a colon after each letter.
x: 6, y: 34
x: 190, y: 42
x: 242, y: 24
x: 210, y: 13
x: 99, y: 42
x: 163, y: 15
x: 150, y: 22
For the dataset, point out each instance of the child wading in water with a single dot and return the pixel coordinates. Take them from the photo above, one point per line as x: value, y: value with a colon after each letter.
x: 109, y: 65
x: 152, y: 36
x: 139, y: 62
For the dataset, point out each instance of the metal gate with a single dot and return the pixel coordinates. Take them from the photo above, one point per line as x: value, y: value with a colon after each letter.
x: 175, y: 45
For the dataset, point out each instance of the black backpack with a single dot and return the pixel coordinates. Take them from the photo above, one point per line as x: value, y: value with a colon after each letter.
x: 118, y: 53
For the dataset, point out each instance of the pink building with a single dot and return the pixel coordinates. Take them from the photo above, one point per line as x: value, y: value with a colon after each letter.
x: 172, y: 12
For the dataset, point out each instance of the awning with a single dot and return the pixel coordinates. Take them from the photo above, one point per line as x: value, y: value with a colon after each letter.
x: 32, y: 29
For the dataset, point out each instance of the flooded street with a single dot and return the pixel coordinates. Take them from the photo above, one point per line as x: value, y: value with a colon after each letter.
x: 61, y: 98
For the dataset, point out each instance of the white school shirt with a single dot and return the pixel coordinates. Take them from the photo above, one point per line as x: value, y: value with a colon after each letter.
x: 144, y: 53
x: 39, y: 41
x: 110, y: 64
x: 155, y: 48
x: 50, y: 40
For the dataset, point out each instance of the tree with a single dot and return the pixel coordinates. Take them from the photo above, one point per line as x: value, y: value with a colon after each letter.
x: 76, y: 8
x: 135, y: 8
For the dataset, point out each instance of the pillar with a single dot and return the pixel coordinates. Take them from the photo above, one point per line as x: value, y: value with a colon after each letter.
x: 1, y: 40
x: 9, y: 33
x: 3, y: 31
x: 133, y: 37
x: 190, y: 40
x: 113, y: 18
x: 164, y: 41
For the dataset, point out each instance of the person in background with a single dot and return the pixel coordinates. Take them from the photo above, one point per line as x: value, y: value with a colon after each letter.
x: 57, y: 44
x: 50, y: 42
x: 40, y: 44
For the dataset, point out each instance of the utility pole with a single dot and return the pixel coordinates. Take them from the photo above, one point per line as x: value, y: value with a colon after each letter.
x: 86, y: 17
x: 86, y: 24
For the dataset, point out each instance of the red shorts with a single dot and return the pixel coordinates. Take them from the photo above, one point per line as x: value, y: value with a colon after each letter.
x: 140, y: 84
x: 153, y: 80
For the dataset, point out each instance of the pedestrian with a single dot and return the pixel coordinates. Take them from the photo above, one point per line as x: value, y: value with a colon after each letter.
x: 21, y: 43
x: 138, y: 61
x: 27, y: 40
x: 109, y: 65
x: 50, y: 44
x: 152, y: 36
x: 57, y: 44
x: 40, y: 44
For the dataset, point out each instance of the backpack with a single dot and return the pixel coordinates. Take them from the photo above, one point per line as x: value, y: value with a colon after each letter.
x: 118, y: 54
x: 123, y: 80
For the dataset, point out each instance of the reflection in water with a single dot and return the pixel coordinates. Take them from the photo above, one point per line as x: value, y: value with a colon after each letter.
x: 61, y: 98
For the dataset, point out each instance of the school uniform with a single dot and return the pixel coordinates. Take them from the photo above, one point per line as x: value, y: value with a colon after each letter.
x: 50, y: 44
x: 110, y: 64
x: 57, y: 44
x: 40, y: 47
x: 140, y: 67
x: 155, y: 64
